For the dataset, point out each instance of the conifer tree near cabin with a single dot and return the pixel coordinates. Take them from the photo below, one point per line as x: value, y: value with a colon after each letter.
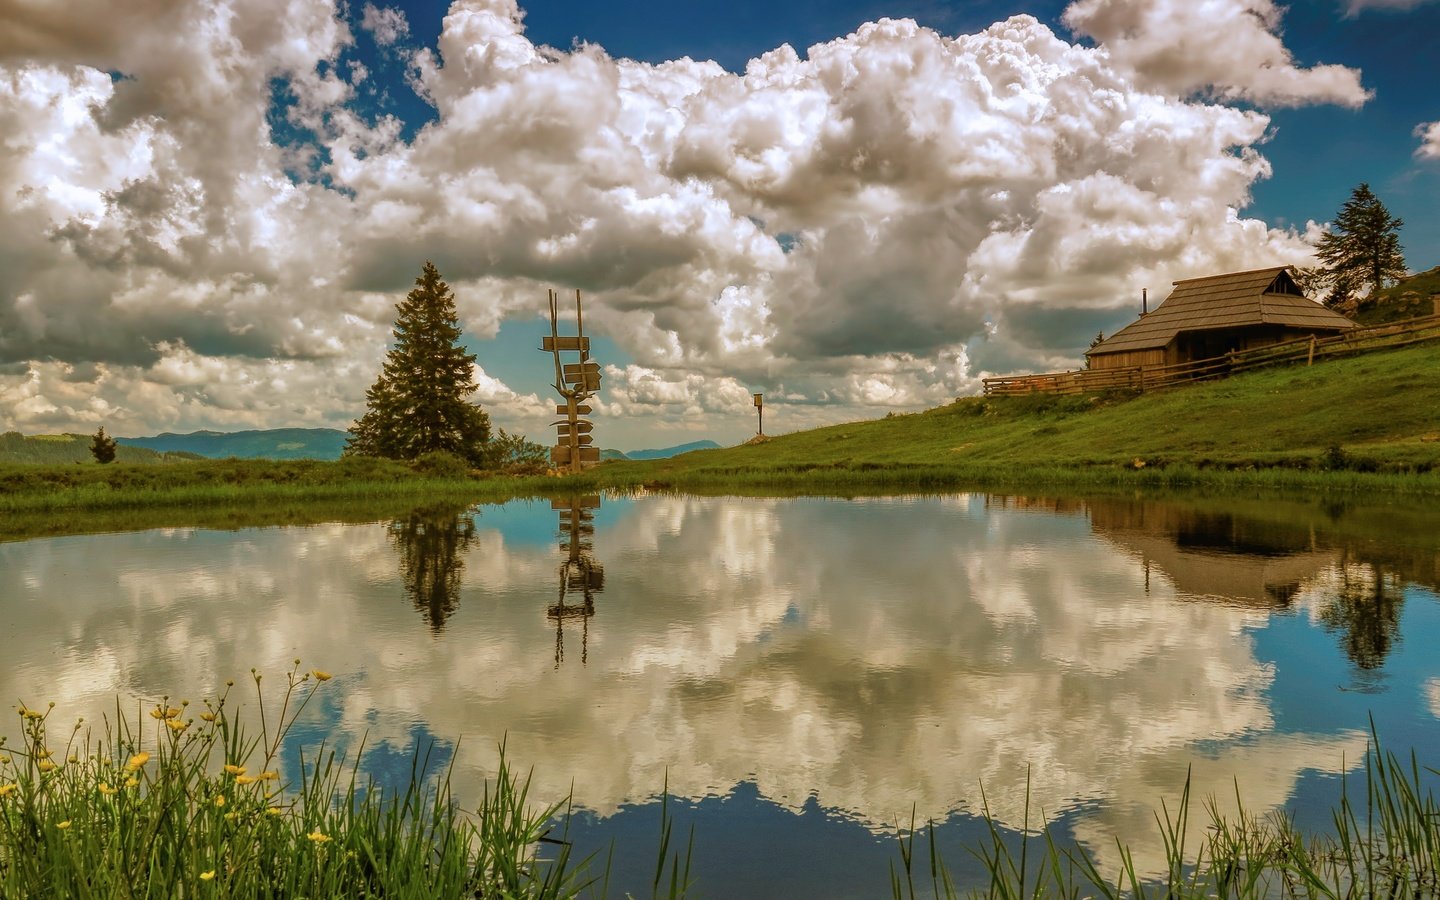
x: 418, y: 403
x: 102, y: 447
x: 1362, y: 248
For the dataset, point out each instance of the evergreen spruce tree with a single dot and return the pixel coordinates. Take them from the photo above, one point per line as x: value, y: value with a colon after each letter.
x: 102, y: 447
x: 418, y: 403
x: 1362, y: 248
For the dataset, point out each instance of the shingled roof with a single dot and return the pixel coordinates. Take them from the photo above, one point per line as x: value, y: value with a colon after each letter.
x: 1260, y: 297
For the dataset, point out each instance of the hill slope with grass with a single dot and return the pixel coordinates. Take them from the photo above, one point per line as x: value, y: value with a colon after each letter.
x: 1409, y: 298
x: 1378, y: 412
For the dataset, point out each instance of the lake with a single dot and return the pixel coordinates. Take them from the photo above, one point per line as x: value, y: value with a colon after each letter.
x: 801, y: 673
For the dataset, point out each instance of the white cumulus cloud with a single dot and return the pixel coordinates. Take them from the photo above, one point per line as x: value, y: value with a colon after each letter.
x: 1429, y: 134
x: 871, y: 225
x: 387, y: 24
x: 1231, y: 48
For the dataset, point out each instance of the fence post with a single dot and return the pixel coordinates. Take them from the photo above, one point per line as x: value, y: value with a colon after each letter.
x: 1311, y: 360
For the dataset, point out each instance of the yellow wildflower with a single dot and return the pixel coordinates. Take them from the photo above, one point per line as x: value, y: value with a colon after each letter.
x: 30, y: 713
x: 321, y: 674
x: 232, y: 769
x: 207, y: 876
x: 246, y: 779
x: 318, y: 837
x: 138, y: 760
x: 132, y: 781
x: 276, y: 810
x: 8, y: 789
x: 45, y: 765
x: 207, y: 716
x: 176, y: 725
x: 106, y: 789
x: 219, y: 799
x: 63, y: 825
x: 271, y: 775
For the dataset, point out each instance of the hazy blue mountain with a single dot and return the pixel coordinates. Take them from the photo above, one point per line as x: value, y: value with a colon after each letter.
x: 50, y: 449
x: 612, y: 454
x: 275, y: 443
x: 667, y: 452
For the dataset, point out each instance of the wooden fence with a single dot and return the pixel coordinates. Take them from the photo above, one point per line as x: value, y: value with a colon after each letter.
x: 1148, y: 378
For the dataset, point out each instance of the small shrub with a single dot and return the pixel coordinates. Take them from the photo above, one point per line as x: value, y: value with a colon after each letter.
x: 514, y: 454
x: 440, y: 464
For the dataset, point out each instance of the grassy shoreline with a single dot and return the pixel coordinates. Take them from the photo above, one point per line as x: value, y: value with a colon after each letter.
x: 290, y: 489
x: 1362, y: 425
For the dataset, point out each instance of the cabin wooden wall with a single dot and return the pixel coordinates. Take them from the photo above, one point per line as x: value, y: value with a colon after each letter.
x: 1128, y: 359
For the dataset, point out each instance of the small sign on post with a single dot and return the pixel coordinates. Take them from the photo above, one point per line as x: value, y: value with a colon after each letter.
x: 760, y: 413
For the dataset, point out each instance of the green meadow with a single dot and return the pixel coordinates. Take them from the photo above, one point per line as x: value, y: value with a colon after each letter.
x: 1364, y: 424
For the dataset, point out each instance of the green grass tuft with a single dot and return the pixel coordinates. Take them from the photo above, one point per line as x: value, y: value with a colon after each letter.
x: 1389, y: 847
x: 176, y: 802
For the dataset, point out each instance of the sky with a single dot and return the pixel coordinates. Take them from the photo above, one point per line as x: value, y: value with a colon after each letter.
x: 208, y: 210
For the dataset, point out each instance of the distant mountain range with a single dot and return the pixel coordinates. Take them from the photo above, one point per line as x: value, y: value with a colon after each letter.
x: 667, y: 452
x: 275, y: 443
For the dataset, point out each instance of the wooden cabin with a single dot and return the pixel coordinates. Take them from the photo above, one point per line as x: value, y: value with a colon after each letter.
x: 1204, y: 318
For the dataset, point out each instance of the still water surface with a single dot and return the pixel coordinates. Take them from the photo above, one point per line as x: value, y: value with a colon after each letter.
x: 802, y: 673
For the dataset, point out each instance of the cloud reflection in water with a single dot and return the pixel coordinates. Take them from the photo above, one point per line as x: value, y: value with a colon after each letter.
x: 873, y: 654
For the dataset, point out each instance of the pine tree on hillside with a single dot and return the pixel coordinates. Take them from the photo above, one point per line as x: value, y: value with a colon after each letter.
x: 1361, y: 249
x: 102, y: 447
x: 418, y: 403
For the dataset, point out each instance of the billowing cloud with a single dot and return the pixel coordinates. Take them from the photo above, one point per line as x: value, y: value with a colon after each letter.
x: 874, y: 225
x: 388, y: 25
x: 1231, y: 48
x: 1429, y: 134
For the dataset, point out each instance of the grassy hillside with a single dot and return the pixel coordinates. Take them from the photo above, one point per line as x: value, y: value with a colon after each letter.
x: 1364, y: 424
x: 1379, y: 412
x: 56, y: 449
x: 275, y: 443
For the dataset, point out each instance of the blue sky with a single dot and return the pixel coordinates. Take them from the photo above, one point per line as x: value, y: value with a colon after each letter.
x: 208, y: 218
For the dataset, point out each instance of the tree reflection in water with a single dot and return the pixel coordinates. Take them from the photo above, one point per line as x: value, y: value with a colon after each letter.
x: 432, y: 542
x: 581, y: 576
x: 1364, y: 605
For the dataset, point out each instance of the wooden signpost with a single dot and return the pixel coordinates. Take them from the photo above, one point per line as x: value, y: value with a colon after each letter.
x: 760, y: 413
x: 575, y: 382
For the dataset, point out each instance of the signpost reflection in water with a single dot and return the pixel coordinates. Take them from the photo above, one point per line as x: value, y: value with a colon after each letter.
x: 803, y: 672
x: 581, y: 577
